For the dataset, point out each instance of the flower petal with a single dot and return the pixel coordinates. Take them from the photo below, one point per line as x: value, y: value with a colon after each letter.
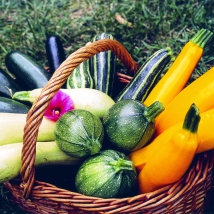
x: 59, y: 105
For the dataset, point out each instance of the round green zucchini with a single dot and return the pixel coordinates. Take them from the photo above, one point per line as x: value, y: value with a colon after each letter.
x: 107, y: 174
x: 79, y: 133
x: 129, y: 125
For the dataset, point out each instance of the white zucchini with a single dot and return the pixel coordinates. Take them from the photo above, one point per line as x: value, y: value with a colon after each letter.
x: 93, y: 100
x: 47, y: 153
x: 12, y: 128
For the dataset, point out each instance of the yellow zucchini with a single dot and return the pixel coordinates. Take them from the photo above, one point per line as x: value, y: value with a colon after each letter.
x: 200, y: 92
x: 205, y: 132
x: 173, y: 159
x: 179, y: 73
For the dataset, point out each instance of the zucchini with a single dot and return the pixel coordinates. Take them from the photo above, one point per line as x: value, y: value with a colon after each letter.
x: 8, y: 86
x: 9, y: 105
x: 12, y: 128
x: 47, y: 153
x: 147, y: 76
x: 109, y: 174
x: 80, y: 77
x: 103, y: 67
x: 129, y: 125
x: 79, y: 133
x: 89, y: 99
x: 28, y: 73
x: 54, y: 52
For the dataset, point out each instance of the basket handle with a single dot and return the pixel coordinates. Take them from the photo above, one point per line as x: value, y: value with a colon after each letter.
x: 35, y: 114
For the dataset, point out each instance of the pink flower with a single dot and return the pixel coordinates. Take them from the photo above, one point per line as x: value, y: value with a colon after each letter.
x: 59, y: 105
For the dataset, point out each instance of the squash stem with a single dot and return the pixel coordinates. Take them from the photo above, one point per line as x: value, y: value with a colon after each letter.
x: 202, y: 37
x: 23, y: 96
x: 122, y: 164
x: 192, y: 119
x: 153, y: 110
x: 94, y: 146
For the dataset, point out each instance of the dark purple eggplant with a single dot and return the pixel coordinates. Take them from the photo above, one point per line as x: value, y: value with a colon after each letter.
x: 55, y: 52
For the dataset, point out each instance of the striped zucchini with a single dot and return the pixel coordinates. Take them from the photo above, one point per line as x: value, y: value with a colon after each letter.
x: 80, y: 77
x: 147, y: 76
x: 103, y: 67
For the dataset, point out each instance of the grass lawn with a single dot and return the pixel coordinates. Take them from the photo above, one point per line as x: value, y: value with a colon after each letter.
x: 24, y: 25
x: 143, y: 27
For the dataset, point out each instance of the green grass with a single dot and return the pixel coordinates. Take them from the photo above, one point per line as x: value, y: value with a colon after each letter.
x: 25, y: 24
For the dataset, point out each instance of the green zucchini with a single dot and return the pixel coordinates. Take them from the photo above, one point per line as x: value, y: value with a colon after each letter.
x: 28, y: 73
x: 147, y: 76
x: 12, y: 128
x: 103, y: 67
x: 109, y: 174
x: 89, y: 99
x: 80, y: 77
x: 8, y: 86
x: 9, y: 105
x: 55, y: 52
x: 129, y: 124
x: 47, y: 153
x: 79, y: 133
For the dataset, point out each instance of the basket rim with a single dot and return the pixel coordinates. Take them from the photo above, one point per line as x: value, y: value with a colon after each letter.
x: 170, y: 197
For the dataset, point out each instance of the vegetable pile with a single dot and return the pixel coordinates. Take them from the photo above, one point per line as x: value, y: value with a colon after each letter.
x: 137, y: 140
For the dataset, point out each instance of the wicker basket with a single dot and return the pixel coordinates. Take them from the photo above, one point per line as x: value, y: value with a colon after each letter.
x: 185, y: 196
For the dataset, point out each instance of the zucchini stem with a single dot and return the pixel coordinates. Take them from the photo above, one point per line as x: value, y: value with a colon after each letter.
x: 153, y: 110
x: 94, y: 146
x: 192, y: 119
x: 122, y: 164
x: 23, y: 96
x: 202, y: 37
